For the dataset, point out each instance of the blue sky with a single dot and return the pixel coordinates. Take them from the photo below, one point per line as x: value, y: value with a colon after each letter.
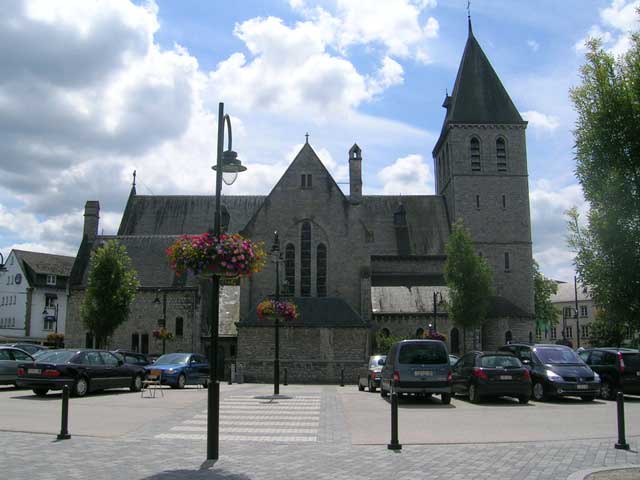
x: 90, y: 91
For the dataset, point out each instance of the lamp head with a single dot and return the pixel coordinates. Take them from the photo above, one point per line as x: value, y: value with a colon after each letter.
x: 231, y: 166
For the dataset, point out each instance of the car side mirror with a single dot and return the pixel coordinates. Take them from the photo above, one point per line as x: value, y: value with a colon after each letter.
x: 120, y: 363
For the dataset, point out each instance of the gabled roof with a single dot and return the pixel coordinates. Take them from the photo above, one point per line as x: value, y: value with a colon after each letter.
x: 46, y: 263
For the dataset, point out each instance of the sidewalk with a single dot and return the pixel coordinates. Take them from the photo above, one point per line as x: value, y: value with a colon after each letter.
x: 306, y: 437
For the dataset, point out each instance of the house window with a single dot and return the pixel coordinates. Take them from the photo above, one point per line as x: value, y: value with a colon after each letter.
x: 569, y: 332
x: 305, y: 260
x: 305, y: 180
x: 179, y: 326
x: 554, y: 333
x: 50, y: 301
x: 321, y: 270
x: 477, y: 201
x: 507, y: 267
x: 49, y: 323
x: 385, y: 332
x: 585, y: 331
x: 538, y: 334
x: 501, y: 154
x: 504, y: 201
x: 51, y: 279
x: 508, y: 337
x: 144, y: 344
x: 88, y: 340
x: 290, y: 270
x: 135, y: 342
x: 583, y: 310
x: 567, y: 312
x: 474, y: 153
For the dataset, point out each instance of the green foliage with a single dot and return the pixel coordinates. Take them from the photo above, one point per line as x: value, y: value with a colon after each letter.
x: 469, y: 279
x: 607, y: 138
x: 110, y: 290
x: 383, y: 344
x: 605, y: 331
x: 545, y: 313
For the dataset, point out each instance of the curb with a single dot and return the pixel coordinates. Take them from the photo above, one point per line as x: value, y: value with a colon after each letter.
x: 582, y: 474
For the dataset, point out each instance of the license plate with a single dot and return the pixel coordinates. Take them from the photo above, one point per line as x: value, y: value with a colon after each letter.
x: 583, y: 387
x: 506, y: 377
x: 423, y: 373
x: 34, y: 371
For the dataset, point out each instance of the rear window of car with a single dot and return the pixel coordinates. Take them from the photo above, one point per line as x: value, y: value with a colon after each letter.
x: 60, y: 356
x: 376, y: 362
x: 499, y: 361
x: 631, y: 360
x: 423, y: 354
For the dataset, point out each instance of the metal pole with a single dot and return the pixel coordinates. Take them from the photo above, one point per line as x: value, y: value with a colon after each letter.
x: 564, y: 324
x: 395, y: 444
x: 285, y: 377
x: 64, y: 432
x: 276, y: 362
x: 342, y: 377
x: 575, y: 289
x: 622, y: 442
x: 213, y: 393
x: 435, y: 312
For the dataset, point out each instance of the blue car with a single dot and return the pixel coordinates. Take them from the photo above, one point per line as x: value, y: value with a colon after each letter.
x: 180, y: 369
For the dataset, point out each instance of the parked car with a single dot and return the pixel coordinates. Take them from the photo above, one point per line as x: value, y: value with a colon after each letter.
x: 132, y: 358
x: 453, y: 359
x: 619, y: 370
x: 491, y: 374
x: 417, y: 366
x: 180, y: 369
x: 84, y: 370
x: 556, y: 371
x: 369, y: 374
x: 30, y: 348
x: 10, y: 357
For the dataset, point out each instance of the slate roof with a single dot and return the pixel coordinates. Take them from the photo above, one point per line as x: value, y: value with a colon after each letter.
x: 566, y: 293
x: 46, y: 263
x: 318, y: 312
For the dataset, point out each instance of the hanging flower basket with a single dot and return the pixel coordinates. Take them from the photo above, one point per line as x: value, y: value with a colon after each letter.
x: 270, y: 309
x: 162, y: 334
x: 208, y: 255
x: 433, y: 335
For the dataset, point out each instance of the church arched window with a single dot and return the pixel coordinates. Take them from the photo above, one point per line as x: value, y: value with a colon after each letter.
x: 290, y: 269
x: 321, y: 270
x: 305, y: 260
x: 474, y: 154
x: 501, y: 154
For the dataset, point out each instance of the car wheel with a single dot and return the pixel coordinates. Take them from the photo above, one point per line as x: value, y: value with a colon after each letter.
x: 182, y: 381
x: 136, y: 384
x: 81, y: 387
x: 588, y: 398
x: 40, y: 392
x: 539, y: 394
x: 372, y: 387
x: 474, y: 396
x: 607, y: 392
x: 360, y: 387
x: 446, y: 398
x: 524, y: 400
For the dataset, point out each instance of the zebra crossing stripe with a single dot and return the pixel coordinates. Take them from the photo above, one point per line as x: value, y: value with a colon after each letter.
x: 240, y: 438
x: 257, y: 423
x: 274, y: 431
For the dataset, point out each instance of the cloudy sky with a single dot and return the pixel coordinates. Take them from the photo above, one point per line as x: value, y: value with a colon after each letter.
x: 91, y: 90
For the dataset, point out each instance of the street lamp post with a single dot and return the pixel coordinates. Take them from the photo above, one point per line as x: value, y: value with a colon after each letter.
x: 226, y: 162
x: 575, y: 290
x: 276, y: 258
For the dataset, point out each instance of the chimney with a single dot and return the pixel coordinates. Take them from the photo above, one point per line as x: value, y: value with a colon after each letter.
x: 91, y: 218
x: 355, y: 174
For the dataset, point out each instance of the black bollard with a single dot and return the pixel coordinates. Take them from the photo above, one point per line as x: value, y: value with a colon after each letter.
x: 64, y: 432
x: 285, y: 376
x: 342, y: 377
x: 622, y: 442
x: 395, y: 444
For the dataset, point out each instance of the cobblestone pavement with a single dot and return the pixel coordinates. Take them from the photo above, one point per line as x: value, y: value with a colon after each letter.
x: 303, y: 437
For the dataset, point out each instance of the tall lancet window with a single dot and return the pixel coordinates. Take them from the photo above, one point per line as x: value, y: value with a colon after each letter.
x: 501, y: 154
x: 474, y: 153
x: 321, y: 270
x: 290, y: 270
x: 305, y: 260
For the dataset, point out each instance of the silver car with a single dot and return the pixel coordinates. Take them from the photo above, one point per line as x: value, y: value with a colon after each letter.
x: 9, y: 359
x: 369, y: 374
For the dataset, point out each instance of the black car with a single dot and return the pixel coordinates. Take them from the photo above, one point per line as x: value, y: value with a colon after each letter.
x: 84, y: 370
x: 491, y: 374
x: 619, y: 370
x: 132, y: 358
x: 556, y: 371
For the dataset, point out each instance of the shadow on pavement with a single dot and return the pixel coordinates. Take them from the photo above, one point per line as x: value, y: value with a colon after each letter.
x: 414, y: 402
x: 204, y: 474
x: 502, y: 402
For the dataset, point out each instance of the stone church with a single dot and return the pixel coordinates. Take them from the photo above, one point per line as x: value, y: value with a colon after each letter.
x: 355, y: 264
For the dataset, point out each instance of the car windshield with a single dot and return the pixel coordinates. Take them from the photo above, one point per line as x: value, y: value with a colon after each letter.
x: 631, y: 360
x: 377, y: 362
x: 172, y: 359
x: 56, y: 356
x: 557, y: 355
x: 423, y: 354
x: 500, y: 361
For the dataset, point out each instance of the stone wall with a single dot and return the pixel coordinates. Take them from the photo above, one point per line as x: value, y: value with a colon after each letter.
x: 311, y: 355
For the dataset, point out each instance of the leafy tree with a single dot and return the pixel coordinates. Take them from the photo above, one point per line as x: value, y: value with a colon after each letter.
x: 383, y: 343
x: 110, y: 290
x: 545, y: 313
x: 607, y: 138
x: 469, y: 279
x: 605, y: 331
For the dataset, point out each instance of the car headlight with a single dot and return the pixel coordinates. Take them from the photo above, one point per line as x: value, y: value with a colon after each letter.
x: 171, y: 371
x: 553, y: 376
x: 596, y: 377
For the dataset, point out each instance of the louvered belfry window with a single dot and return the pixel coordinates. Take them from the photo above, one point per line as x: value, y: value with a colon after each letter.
x: 321, y: 270
x: 290, y: 269
x: 501, y: 154
x: 305, y: 260
x: 474, y: 151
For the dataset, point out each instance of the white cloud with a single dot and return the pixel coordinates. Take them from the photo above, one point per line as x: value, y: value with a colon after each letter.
x: 540, y: 120
x: 407, y: 175
x: 535, y: 46
x: 617, y: 22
